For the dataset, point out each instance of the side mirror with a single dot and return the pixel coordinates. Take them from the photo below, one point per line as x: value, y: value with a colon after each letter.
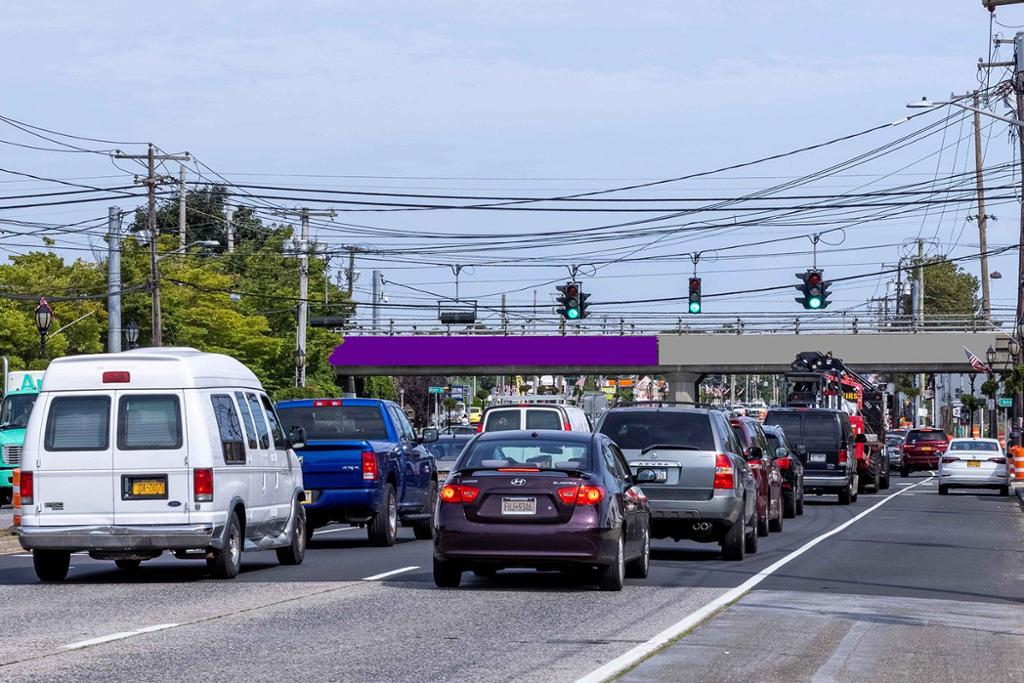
x: 645, y: 476
x: 754, y: 453
x: 296, y: 437
x: 781, y: 452
x: 860, y: 438
x: 428, y: 435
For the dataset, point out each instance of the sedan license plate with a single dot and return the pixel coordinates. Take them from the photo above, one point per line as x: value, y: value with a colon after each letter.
x: 973, y: 463
x: 518, y: 506
x: 818, y: 457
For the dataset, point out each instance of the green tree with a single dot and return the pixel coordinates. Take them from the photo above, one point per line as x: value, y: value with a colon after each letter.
x: 948, y: 289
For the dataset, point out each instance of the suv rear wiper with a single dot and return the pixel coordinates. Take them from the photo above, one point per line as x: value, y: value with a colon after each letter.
x: 668, y: 447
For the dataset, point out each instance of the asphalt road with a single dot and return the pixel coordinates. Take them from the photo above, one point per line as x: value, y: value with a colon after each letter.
x: 881, y: 599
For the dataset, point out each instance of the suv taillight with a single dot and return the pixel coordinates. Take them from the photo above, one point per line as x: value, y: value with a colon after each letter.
x: 202, y: 485
x: 370, y: 472
x: 842, y: 456
x: 480, y: 426
x: 783, y: 463
x: 724, y: 474
x: 27, y: 488
x: 457, y: 493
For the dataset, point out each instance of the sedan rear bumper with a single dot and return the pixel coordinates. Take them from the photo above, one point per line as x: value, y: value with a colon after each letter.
x: 996, y: 478
x: 144, y: 537
x: 525, y: 545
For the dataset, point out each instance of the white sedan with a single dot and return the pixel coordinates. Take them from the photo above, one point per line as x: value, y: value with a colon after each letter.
x: 970, y: 462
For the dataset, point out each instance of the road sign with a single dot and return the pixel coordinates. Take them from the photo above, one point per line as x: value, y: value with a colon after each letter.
x: 1005, y: 401
x: 436, y: 390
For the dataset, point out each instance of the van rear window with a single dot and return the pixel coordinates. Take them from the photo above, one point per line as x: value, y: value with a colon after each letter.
x: 78, y: 423
x: 151, y: 422
x: 505, y: 420
x: 543, y: 419
x: 337, y: 423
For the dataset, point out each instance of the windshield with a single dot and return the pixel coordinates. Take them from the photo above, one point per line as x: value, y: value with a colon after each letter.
x: 545, y: 454
x: 974, y: 446
x: 16, y: 409
x: 337, y: 423
x: 816, y: 431
x: 447, y: 449
x: 637, y: 430
x: 894, y: 441
x: 931, y: 435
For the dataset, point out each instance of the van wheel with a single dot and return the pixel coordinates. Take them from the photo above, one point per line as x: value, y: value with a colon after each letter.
x: 293, y: 553
x: 128, y: 565
x: 51, y: 565
x: 446, y: 574
x: 733, y: 543
x: 641, y: 566
x: 613, y: 576
x: 383, y: 528
x: 227, y: 561
x: 846, y: 495
x: 423, y: 529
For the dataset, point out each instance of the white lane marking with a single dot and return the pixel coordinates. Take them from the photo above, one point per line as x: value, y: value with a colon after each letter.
x: 334, y: 531
x: 378, y: 577
x: 116, y: 636
x: 642, y: 651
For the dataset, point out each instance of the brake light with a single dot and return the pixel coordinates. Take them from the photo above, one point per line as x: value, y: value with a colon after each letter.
x: 998, y: 459
x: 518, y: 469
x: 327, y: 403
x: 202, y: 485
x: 783, y: 463
x: 479, y: 426
x: 117, y: 377
x: 370, y: 471
x: 457, y: 493
x: 951, y: 458
x: 724, y: 473
x: 27, y: 488
x: 581, y: 495
x: 566, y: 427
x: 842, y: 456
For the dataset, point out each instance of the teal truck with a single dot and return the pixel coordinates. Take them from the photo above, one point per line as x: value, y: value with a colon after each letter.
x: 22, y: 388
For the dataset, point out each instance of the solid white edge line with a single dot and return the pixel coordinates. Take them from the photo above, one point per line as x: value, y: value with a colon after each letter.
x: 642, y: 651
x: 377, y: 577
x: 334, y: 531
x: 116, y: 636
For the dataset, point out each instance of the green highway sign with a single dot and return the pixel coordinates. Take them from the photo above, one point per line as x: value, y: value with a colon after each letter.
x: 1005, y: 401
x: 436, y: 390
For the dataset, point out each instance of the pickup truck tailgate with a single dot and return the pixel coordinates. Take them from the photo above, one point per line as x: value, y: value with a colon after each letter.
x: 682, y: 474
x: 333, y: 464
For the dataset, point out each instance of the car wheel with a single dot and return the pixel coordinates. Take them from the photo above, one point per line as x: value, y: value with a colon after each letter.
x: 762, y: 525
x: 446, y: 574
x: 614, y: 575
x: 734, y: 542
x: 775, y: 525
x: 51, y: 565
x: 383, y: 528
x: 750, y: 538
x: 641, y: 566
x: 904, y: 471
x: 846, y: 495
x: 789, y: 506
x: 128, y: 565
x: 227, y: 561
x: 1004, y: 490
x: 800, y: 502
x: 943, y: 490
x: 423, y: 529
x: 295, y: 552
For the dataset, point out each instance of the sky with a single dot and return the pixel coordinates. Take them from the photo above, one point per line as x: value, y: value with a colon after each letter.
x: 522, y: 99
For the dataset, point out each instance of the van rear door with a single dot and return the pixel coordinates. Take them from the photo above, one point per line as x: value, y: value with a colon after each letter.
x: 152, y: 480
x: 74, y: 477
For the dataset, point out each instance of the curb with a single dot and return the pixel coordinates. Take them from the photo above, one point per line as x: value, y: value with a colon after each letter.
x: 9, y: 542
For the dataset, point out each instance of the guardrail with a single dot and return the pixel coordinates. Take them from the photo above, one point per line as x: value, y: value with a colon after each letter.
x: 833, y: 323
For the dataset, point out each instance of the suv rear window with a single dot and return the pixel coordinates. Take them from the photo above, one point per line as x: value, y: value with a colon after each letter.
x: 637, y: 430
x: 78, y: 423
x: 337, y: 423
x: 929, y: 435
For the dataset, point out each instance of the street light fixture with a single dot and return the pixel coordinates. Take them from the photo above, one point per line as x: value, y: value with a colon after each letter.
x: 299, y: 356
x: 131, y: 334
x: 44, y: 318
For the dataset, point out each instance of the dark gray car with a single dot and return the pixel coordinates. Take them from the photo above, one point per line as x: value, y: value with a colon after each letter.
x: 691, y: 468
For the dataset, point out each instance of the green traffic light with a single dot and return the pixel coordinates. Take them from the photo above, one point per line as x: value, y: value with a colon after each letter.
x: 814, y: 302
x: 694, y: 307
x: 572, y: 313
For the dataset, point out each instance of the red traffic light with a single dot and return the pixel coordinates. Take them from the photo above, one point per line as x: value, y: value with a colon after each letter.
x: 572, y: 290
x: 694, y: 284
x: 814, y: 278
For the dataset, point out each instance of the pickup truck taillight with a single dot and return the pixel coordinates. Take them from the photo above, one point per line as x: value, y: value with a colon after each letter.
x: 457, y: 493
x: 202, y: 485
x: 370, y: 472
x: 842, y: 456
x: 724, y: 475
x: 27, y: 488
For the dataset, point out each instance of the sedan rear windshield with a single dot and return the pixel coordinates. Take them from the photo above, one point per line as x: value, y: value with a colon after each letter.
x: 930, y: 435
x: 637, y: 430
x: 337, y: 423
x: 447, y: 449
x: 974, y: 446
x: 545, y: 454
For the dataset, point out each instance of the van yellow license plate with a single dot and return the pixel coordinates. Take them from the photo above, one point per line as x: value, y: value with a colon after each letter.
x: 147, y: 488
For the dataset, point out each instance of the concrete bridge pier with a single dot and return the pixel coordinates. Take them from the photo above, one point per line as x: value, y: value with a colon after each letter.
x: 683, y: 386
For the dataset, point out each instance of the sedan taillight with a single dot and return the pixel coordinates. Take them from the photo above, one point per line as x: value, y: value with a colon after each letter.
x: 999, y: 460
x: 581, y: 495
x: 724, y: 474
x: 950, y: 458
x: 457, y: 493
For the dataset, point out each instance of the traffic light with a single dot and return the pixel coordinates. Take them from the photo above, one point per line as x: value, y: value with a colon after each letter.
x: 695, y: 305
x: 572, y: 301
x: 814, y: 289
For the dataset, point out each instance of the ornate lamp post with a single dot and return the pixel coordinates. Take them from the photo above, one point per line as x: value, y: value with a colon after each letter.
x: 300, y: 362
x: 44, y: 318
x: 993, y: 428
x: 131, y: 334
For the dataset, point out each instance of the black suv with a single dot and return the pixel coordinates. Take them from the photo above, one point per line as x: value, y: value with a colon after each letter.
x: 824, y: 441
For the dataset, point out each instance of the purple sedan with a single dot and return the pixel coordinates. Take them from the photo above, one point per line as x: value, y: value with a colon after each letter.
x: 543, y: 500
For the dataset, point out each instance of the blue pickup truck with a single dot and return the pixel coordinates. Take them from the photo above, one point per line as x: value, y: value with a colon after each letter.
x: 363, y: 464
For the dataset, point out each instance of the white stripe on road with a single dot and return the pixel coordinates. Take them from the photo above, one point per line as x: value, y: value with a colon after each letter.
x: 642, y: 651
x: 116, y: 636
x: 334, y: 531
x: 378, y: 577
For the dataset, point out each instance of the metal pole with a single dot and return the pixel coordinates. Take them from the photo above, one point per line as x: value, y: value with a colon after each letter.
x: 1018, y: 45
x: 300, y: 332
x: 181, y: 206
x: 919, y: 320
x: 230, y: 229
x: 979, y: 161
x: 154, y: 270
x: 351, y: 270
x: 113, y: 279
x: 375, y: 304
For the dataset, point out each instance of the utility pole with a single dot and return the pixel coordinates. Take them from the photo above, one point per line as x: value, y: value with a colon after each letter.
x: 1018, y: 82
x: 151, y: 181
x: 181, y: 206
x: 919, y: 318
x: 378, y: 286
x: 229, y: 228
x: 350, y: 276
x: 979, y: 161
x: 113, y: 279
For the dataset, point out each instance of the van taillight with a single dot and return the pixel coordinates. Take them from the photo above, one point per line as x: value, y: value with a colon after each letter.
x: 117, y: 377
x: 202, y: 485
x: 842, y: 456
x: 370, y: 472
x: 724, y: 474
x: 27, y: 488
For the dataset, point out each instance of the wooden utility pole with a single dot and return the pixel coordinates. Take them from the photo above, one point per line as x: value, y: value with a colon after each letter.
x: 181, y: 207
x: 979, y: 162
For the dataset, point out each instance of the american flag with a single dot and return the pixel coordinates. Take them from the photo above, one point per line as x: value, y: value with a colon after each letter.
x: 975, y: 361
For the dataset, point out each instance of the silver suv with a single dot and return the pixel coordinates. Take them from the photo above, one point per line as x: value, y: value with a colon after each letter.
x: 692, y: 469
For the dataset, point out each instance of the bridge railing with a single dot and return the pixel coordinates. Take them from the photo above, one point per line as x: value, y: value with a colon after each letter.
x: 753, y: 323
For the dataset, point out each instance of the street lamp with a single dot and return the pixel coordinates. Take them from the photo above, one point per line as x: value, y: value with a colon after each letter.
x: 154, y: 284
x: 44, y: 318
x: 131, y: 335
x: 299, y: 356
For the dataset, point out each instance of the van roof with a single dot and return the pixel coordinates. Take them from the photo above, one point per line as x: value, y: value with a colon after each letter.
x: 152, y: 368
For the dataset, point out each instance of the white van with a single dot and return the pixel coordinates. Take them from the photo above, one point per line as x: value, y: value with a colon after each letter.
x: 530, y: 415
x: 130, y: 454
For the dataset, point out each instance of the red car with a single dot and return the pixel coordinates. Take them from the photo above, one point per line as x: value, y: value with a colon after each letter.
x: 761, y: 459
x: 923, y: 449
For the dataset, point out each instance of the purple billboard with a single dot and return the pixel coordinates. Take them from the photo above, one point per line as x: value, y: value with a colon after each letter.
x: 553, y: 351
